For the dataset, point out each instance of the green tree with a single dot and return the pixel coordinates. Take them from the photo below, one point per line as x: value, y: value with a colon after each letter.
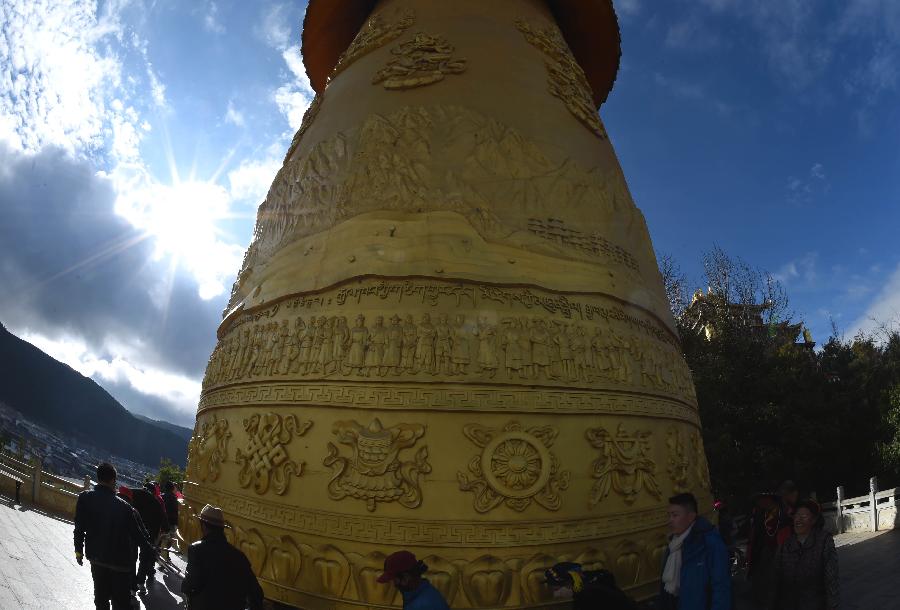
x: 169, y: 471
x: 771, y: 407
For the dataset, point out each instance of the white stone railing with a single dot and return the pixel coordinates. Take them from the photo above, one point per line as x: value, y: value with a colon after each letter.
x: 42, y: 489
x: 872, y: 512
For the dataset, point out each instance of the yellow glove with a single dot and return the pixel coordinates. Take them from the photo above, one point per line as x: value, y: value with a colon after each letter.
x: 79, y: 557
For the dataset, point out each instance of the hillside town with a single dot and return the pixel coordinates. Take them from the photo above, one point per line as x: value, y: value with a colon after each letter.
x: 61, y: 454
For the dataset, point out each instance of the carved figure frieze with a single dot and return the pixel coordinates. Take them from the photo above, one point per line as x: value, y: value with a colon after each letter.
x: 266, y: 461
x: 208, y: 449
x: 377, y: 32
x: 391, y: 162
x: 515, y: 467
x: 624, y: 466
x: 565, y: 78
x: 422, y: 60
x: 374, y: 471
x: 512, y: 349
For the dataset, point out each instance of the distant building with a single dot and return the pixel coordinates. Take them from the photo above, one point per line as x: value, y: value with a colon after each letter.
x: 708, y: 312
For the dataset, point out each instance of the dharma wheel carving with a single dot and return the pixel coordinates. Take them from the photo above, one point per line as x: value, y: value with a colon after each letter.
x: 448, y: 333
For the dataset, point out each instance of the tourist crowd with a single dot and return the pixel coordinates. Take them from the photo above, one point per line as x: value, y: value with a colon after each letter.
x: 791, y: 558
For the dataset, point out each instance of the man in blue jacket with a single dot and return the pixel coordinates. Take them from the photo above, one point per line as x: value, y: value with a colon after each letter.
x: 405, y: 571
x: 696, y: 573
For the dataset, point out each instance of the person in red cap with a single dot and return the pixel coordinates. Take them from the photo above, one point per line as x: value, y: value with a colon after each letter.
x: 405, y: 571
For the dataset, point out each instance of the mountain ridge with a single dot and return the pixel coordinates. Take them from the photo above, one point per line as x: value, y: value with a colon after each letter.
x: 60, y: 398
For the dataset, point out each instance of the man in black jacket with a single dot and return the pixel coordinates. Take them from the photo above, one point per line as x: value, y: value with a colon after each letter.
x: 218, y: 576
x: 171, y: 502
x: 108, y: 531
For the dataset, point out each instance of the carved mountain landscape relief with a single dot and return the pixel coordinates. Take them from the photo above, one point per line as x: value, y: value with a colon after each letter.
x: 449, y: 158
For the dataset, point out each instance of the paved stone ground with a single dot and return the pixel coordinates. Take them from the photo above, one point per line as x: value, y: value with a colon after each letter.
x: 38, y: 569
x: 869, y: 564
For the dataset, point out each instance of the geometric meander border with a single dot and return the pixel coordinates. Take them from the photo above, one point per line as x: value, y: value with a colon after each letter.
x: 382, y: 530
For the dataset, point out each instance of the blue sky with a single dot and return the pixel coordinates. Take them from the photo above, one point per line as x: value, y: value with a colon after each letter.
x: 138, y: 137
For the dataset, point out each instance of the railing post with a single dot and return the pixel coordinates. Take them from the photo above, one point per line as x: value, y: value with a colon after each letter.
x: 873, y: 489
x: 840, y: 509
x: 36, y: 480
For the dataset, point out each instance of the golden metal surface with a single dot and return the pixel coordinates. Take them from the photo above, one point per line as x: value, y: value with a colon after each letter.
x: 449, y: 333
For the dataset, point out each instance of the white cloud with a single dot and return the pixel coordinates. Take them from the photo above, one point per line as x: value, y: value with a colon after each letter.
x: 628, y: 8
x: 884, y: 310
x: 294, y: 97
x: 691, y: 33
x: 274, y: 28
x: 157, y: 89
x: 55, y: 76
x: 252, y: 179
x: 805, y: 188
x: 234, y: 116
x: 121, y: 365
x: 211, y: 20
x: 802, y: 270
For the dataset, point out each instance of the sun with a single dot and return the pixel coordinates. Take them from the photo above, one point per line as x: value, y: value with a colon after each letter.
x: 183, y: 219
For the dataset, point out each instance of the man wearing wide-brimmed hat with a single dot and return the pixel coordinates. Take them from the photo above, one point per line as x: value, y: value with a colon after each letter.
x: 219, y: 576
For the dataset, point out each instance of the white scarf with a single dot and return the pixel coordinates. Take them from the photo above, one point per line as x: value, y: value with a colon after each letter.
x: 671, y: 575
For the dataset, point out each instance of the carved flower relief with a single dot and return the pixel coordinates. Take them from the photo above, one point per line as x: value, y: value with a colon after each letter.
x: 208, y: 449
x: 624, y: 465
x: 265, y: 461
x: 423, y: 60
x: 515, y: 467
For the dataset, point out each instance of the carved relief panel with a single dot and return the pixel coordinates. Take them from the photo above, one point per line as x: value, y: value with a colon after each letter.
x: 379, y: 30
x: 374, y: 471
x: 208, y: 449
x: 515, y: 467
x: 447, y: 158
x: 565, y: 78
x: 422, y: 60
x: 625, y: 465
x: 265, y: 460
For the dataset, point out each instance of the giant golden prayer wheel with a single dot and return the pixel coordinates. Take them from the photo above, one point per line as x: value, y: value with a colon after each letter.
x: 449, y: 333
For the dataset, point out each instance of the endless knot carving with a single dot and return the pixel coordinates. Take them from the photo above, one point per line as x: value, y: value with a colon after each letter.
x: 376, y: 32
x: 308, y: 117
x: 624, y: 464
x: 423, y: 60
x: 515, y: 467
x: 266, y: 460
x: 679, y: 461
x: 208, y: 449
x: 375, y: 473
x: 565, y: 78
